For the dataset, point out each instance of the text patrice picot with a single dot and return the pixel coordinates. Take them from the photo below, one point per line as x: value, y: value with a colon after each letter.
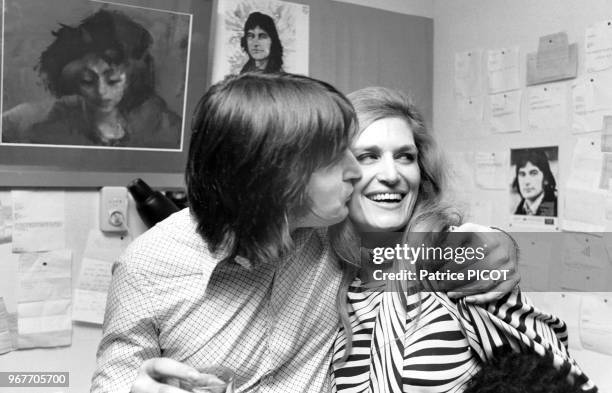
x: 411, y: 255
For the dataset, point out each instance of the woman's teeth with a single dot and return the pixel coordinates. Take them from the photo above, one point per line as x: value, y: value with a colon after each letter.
x: 386, y: 197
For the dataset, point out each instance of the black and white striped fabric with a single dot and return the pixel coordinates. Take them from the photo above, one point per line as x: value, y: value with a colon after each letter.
x: 434, y: 344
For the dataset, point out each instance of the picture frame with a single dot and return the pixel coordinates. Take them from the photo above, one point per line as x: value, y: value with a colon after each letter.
x: 37, y: 157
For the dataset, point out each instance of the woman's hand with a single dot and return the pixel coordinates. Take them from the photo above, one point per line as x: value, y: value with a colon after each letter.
x: 155, y: 375
x: 501, y: 253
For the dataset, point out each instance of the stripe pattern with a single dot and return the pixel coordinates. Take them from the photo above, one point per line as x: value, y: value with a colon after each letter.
x: 426, y: 342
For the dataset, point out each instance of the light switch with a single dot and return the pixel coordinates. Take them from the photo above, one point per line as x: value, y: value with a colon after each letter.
x: 113, y: 209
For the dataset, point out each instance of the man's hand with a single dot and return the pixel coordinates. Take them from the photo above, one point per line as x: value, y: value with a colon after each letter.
x: 501, y: 254
x: 155, y: 375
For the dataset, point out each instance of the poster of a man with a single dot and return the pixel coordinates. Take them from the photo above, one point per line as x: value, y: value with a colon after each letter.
x: 534, y: 188
x: 260, y: 35
x: 99, y: 76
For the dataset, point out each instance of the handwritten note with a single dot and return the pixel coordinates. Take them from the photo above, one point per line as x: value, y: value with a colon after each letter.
x: 547, y: 106
x: 503, y: 69
x: 95, y: 276
x: 490, y: 170
x: 598, y: 46
x: 505, y: 109
x: 591, y: 101
x: 38, y: 221
x: 555, y: 60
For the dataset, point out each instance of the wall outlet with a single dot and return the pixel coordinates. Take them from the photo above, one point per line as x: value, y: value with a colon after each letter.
x: 113, y: 209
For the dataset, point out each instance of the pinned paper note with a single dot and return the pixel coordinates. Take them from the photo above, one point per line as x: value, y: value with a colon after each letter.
x: 598, y: 46
x: 38, y: 221
x: 534, y: 264
x: 555, y: 60
x: 587, y: 161
x: 547, y: 106
x: 584, y: 210
x: 596, y: 323
x: 6, y: 341
x: 469, y: 108
x: 490, y: 170
x: 591, y: 100
x: 94, y: 279
x: 503, y: 69
x: 606, y: 135
x: 505, y: 110
x: 44, y: 299
x: 584, y: 249
x: 468, y: 73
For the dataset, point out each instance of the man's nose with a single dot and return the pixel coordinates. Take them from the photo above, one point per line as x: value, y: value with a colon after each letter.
x: 352, y: 170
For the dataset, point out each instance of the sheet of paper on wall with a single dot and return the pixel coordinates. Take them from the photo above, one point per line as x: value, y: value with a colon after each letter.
x: 584, y: 249
x: 547, y: 106
x: 505, y: 110
x: 606, y: 172
x: 598, y: 46
x: 591, y: 101
x: 6, y: 218
x: 587, y: 161
x: 44, y: 299
x: 469, y: 109
x: 596, y: 322
x: 95, y: 276
x: 39, y: 221
x: 534, y: 262
x: 6, y: 342
x: 503, y: 69
x: 555, y: 60
x: 584, y: 278
x: 468, y: 73
x: 584, y: 210
x: 490, y: 170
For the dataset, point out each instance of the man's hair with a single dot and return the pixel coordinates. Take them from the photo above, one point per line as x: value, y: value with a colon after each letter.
x: 265, y: 22
x: 538, y: 158
x: 257, y: 139
x: 512, y: 372
x: 113, y: 37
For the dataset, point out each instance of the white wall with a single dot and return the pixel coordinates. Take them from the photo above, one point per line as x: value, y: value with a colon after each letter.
x: 462, y: 25
x: 409, y: 7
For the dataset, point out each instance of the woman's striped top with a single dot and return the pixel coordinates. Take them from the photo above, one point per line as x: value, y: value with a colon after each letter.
x: 426, y: 342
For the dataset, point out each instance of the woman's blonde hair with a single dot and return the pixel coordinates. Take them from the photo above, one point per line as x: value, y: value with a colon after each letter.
x: 431, y: 214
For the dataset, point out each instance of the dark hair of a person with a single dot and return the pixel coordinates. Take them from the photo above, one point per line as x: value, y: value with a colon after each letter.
x: 257, y: 139
x: 510, y: 372
x: 113, y: 37
x: 264, y: 22
x: 538, y: 158
x: 431, y: 217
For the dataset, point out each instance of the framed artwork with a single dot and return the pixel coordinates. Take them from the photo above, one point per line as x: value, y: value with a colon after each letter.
x: 265, y: 35
x: 96, y: 92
